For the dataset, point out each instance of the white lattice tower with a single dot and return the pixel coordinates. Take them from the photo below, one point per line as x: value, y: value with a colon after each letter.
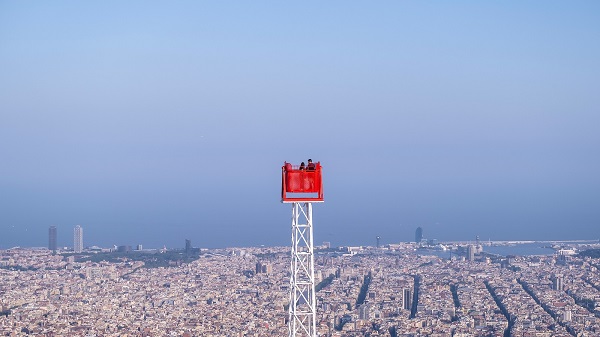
x: 302, y: 309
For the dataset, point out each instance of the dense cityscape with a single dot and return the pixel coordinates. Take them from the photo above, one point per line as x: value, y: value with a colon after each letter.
x: 161, y: 162
x: 404, y: 289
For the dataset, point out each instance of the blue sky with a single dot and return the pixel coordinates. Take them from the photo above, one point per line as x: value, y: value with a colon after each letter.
x: 151, y: 122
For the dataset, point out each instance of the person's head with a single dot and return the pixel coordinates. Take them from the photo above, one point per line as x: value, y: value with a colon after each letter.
x: 310, y: 161
x: 302, y: 164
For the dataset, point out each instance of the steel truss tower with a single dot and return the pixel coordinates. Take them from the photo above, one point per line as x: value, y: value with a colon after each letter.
x: 303, y: 306
x: 301, y: 186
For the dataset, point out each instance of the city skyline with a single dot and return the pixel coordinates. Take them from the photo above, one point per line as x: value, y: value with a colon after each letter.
x: 186, y: 244
x: 153, y: 122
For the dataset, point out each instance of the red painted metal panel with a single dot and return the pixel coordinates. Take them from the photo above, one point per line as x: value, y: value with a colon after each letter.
x: 298, y: 181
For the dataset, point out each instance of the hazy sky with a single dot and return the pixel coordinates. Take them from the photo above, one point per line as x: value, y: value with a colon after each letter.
x: 151, y: 122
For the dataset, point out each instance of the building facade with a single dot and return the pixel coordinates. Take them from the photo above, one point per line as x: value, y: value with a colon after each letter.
x: 419, y: 235
x: 78, y: 239
x: 407, y: 299
x: 52, y: 238
x: 471, y: 252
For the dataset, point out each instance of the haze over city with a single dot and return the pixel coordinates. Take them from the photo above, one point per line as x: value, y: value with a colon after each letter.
x: 153, y: 122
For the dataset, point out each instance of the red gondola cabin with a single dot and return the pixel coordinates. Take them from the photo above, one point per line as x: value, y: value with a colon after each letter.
x: 300, y: 184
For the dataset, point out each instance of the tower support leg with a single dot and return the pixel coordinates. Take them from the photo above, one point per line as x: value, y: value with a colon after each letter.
x: 302, y: 308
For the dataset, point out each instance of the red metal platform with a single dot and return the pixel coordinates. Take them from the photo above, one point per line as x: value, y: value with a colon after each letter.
x: 301, y: 184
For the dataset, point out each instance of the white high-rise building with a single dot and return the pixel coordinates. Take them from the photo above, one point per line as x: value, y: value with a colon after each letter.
x: 78, y: 239
x: 471, y: 252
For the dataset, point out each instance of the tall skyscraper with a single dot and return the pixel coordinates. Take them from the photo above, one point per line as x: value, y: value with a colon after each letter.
x: 52, y: 238
x: 407, y: 298
x: 557, y: 282
x: 78, y: 239
x: 419, y: 235
x: 471, y: 252
x: 188, y: 246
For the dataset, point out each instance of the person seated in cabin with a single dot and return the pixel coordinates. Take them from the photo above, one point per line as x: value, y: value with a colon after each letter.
x: 302, y: 166
x: 311, y: 166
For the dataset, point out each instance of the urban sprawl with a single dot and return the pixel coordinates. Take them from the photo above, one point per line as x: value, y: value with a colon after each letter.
x: 396, y: 290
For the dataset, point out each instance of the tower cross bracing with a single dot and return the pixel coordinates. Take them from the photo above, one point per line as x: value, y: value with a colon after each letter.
x: 302, y: 308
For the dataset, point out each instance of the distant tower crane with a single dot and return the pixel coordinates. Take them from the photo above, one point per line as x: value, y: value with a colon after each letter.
x: 302, y: 186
